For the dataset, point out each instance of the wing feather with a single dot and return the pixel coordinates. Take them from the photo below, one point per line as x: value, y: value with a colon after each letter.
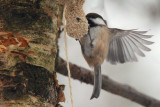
x: 125, y: 43
x: 141, y: 45
x: 130, y: 48
x: 141, y: 40
x: 135, y: 46
x: 140, y: 34
x: 120, y: 54
x: 126, y: 52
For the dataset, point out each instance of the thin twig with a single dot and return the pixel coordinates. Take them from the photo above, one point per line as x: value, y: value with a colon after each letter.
x: 109, y: 85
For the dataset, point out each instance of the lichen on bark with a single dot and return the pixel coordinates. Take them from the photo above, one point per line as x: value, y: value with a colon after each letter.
x: 31, y: 21
x: 30, y: 49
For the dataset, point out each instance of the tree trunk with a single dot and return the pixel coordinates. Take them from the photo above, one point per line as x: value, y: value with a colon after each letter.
x: 28, y: 51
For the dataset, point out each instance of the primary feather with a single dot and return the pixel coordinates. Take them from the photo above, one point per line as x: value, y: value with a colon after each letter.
x: 125, y: 43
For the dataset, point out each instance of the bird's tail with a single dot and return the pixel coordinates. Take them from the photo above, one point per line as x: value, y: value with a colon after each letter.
x: 97, y: 82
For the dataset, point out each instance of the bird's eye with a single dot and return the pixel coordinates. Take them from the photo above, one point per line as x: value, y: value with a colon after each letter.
x: 78, y: 19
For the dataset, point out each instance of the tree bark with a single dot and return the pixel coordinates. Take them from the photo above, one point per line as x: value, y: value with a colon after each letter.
x: 28, y: 51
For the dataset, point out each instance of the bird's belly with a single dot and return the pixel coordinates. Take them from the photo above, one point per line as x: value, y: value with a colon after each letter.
x: 98, y: 55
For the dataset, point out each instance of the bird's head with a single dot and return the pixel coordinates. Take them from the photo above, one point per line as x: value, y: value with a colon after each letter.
x: 95, y: 19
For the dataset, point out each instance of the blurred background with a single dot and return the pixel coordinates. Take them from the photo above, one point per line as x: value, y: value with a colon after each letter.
x: 143, y: 75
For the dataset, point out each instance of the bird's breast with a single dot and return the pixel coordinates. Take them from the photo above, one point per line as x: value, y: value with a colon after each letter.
x: 96, y: 53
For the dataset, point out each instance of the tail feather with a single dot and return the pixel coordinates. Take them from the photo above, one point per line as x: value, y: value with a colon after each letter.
x: 97, y: 82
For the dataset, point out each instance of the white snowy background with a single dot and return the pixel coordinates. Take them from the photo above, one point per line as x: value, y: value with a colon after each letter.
x: 143, y: 75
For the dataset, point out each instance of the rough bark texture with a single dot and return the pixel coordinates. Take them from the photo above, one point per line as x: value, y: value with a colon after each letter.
x: 108, y: 84
x: 28, y: 49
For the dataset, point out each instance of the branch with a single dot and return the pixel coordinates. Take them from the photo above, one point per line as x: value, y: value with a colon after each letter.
x: 109, y: 85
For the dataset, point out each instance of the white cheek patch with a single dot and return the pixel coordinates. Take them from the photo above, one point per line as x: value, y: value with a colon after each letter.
x: 98, y: 21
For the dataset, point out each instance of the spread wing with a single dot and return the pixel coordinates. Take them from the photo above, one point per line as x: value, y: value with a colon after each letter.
x: 125, y: 43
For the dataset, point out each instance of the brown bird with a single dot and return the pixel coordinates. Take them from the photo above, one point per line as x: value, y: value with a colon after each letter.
x: 114, y: 45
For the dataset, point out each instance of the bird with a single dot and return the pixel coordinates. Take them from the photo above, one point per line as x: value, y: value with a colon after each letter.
x: 111, y: 44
